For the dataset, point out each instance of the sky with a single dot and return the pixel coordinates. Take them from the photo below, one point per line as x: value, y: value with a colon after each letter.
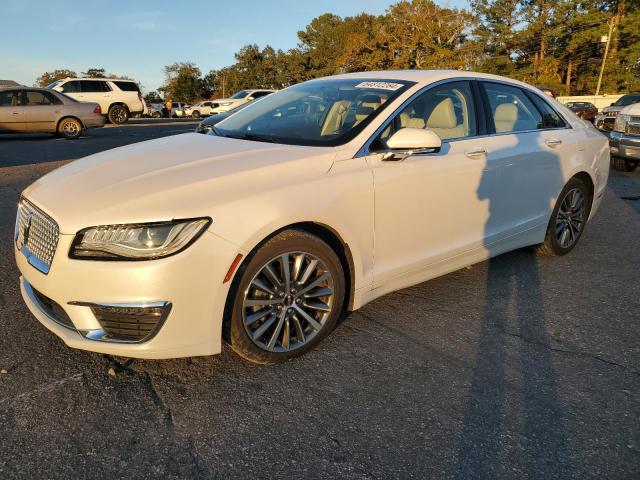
x: 138, y: 38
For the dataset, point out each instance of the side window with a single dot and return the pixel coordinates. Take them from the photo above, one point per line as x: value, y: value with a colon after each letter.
x: 447, y: 109
x: 126, y: 86
x: 93, y: 86
x: 7, y: 98
x: 71, y: 87
x: 550, y: 118
x: 259, y: 94
x: 511, y: 109
x: 35, y: 98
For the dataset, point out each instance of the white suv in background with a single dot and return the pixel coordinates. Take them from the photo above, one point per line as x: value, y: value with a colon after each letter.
x: 118, y: 99
x: 200, y: 109
x: 237, y: 99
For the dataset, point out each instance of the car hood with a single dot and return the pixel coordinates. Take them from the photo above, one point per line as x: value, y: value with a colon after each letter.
x: 181, y: 176
x: 611, y: 109
x: 633, y: 109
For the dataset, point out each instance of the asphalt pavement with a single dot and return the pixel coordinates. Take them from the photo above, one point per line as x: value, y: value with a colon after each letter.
x: 519, y: 367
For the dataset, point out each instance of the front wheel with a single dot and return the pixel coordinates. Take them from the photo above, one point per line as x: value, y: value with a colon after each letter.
x: 196, y: 114
x: 118, y: 114
x: 70, y: 128
x: 289, y: 298
x: 568, y: 219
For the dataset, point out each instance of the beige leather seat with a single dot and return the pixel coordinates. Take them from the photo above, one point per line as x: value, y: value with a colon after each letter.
x: 367, y: 106
x: 505, y: 117
x: 407, y: 121
x: 443, y: 121
x: 335, y: 117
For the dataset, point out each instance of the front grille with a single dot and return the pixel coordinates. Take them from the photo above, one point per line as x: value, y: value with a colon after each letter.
x: 52, y: 309
x: 38, y: 233
x: 129, y: 323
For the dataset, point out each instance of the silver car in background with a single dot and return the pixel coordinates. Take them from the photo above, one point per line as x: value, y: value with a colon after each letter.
x: 35, y: 110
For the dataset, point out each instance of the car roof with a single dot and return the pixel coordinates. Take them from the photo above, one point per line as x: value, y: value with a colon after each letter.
x: 22, y: 87
x: 425, y: 76
x: 99, y: 79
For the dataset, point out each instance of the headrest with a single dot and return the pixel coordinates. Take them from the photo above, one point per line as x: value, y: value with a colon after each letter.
x: 364, y: 110
x: 443, y: 116
x: 371, y: 99
x: 506, y: 112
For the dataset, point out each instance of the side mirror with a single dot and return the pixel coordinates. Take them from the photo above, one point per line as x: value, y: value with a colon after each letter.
x: 411, y: 141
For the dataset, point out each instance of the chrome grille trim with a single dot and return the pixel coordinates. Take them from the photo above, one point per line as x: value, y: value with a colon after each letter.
x: 36, y: 235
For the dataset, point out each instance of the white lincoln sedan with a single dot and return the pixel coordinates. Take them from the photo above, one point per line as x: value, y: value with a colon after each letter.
x: 318, y: 198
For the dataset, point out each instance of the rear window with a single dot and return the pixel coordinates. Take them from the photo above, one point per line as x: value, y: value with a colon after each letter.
x: 128, y: 86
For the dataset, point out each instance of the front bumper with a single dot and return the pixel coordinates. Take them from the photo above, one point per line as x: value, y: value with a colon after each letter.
x: 191, y: 282
x: 624, y: 146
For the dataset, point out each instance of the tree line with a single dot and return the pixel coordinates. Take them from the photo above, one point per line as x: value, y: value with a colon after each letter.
x: 556, y: 43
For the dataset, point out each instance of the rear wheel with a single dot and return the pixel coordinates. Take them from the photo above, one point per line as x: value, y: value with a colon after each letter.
x: 118, y: 114
x: 70, y: 128
x: 288, y: 299
x: 195, y: 114
x: 623, y: 165
x: 568, y: 219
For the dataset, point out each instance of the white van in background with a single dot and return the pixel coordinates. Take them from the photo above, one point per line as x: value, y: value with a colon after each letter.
x: 118, y: 99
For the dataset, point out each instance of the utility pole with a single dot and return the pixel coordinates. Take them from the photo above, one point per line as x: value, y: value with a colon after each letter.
x: 604, y: 58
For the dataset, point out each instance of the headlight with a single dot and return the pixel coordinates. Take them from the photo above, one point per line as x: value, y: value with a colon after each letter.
x: 226, y: 104
x: 144, y: 241
x: 621, y: 123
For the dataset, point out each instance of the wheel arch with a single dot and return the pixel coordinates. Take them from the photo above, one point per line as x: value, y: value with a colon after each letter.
x: 585, y: 177
x: 113, y: 104
x: 326, y: 233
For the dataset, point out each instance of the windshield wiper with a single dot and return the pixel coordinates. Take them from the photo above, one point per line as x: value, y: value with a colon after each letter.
x: 256, y: 137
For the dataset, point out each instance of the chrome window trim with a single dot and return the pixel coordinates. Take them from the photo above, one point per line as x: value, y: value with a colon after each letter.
x: 365, y: 152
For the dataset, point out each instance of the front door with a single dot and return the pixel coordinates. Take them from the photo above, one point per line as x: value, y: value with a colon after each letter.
x: 11, y: 112
x: 429, y: 208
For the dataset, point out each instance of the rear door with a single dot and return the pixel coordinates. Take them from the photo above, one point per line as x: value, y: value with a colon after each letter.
x: 97, y: 91
x: 11, y: 112
x: 41, y: 110
x: 527, y: 154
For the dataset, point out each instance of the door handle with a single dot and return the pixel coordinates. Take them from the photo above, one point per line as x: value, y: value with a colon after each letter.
x: 15, y: 113
x: 553, y: 142
x: 476, y: 152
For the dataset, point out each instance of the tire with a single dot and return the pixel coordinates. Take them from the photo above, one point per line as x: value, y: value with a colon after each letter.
x: 195, y: 114
x: 283, y: 323
x: 156, y: 115
x: 568, y: 219
x: 622, y: 165
x: 70, y: 128
x: 118, y: 114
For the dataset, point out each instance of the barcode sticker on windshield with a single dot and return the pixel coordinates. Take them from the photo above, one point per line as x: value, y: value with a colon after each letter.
x: 380, y: 85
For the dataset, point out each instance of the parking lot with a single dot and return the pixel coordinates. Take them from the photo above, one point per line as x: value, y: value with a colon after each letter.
x: 520, y: 367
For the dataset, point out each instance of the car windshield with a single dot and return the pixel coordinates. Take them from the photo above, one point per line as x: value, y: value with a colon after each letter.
x: 53, y: 84
x: 240, y: 94
x: 325, y: 112
x: 627, y: 100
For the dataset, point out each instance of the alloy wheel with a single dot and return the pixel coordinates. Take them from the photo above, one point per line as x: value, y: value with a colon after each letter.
x: 570, y: 219
x: 71, y: 129
x: 288, y: 302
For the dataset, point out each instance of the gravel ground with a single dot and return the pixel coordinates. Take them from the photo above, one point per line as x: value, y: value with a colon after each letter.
x: 520, y: 367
